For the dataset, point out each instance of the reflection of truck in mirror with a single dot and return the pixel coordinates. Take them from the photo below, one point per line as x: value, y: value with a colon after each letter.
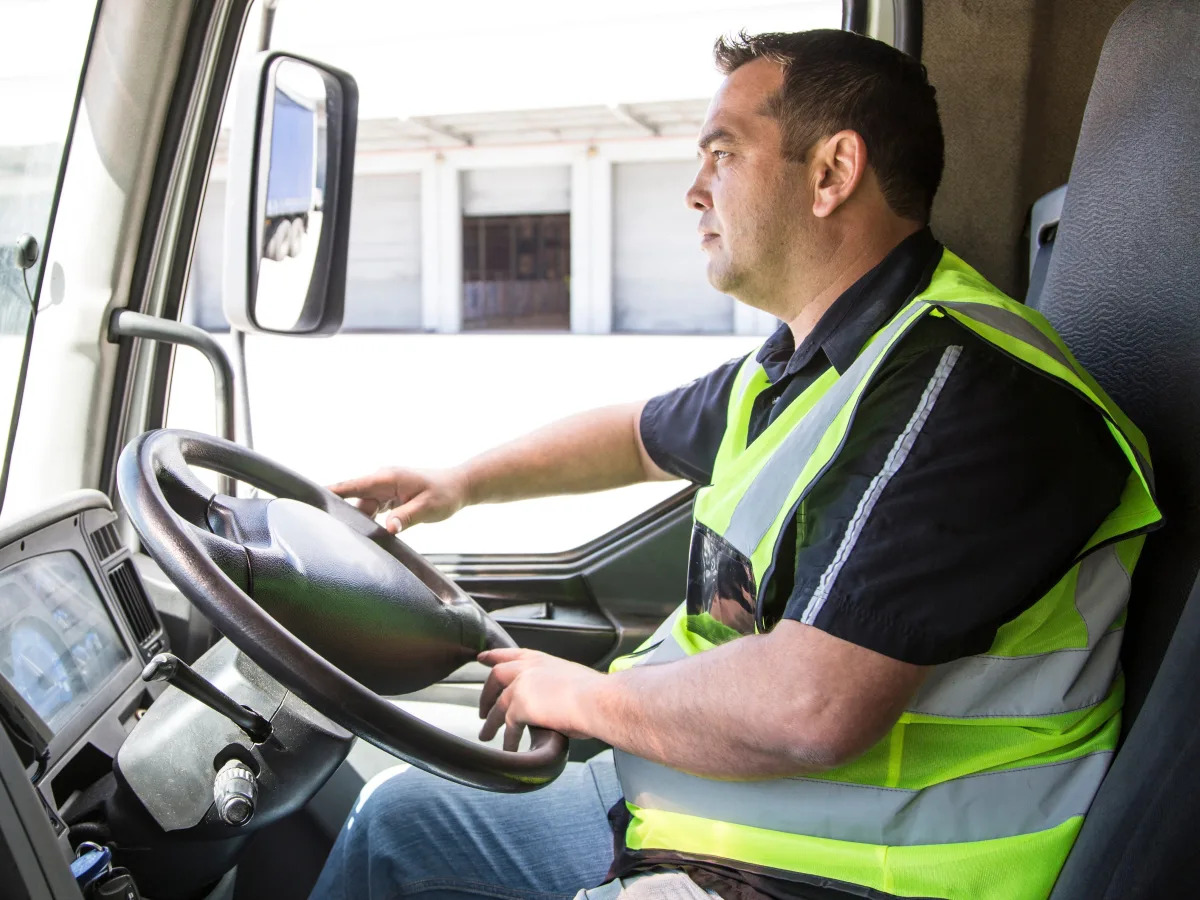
x: 294, y: 187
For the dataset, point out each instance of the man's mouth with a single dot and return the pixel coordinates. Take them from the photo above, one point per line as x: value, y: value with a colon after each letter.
x: 707, y: 237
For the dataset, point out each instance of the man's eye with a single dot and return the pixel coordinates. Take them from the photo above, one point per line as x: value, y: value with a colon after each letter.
x: 720, y: 154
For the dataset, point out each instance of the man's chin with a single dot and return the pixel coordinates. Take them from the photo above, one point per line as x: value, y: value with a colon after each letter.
x: 721, y: 278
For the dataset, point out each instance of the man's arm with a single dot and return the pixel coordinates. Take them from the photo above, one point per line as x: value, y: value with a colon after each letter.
x: 591, y: 451
x: 792, y: 701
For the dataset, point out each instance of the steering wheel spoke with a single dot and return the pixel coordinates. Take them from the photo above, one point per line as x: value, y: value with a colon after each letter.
x: 229, y: 556
x: 185, y: 494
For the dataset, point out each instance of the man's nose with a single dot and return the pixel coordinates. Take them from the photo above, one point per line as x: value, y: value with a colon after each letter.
x: 698, y: 196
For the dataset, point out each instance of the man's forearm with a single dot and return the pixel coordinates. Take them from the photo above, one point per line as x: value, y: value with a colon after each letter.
x: 790, y: 702
x: 592, y: 451
x: 705, y: 716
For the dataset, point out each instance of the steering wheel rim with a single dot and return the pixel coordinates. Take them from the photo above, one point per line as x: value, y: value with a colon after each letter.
x: 164, y: 457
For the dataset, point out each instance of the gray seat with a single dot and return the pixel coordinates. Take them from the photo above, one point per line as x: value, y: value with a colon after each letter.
x: 1123, y: 289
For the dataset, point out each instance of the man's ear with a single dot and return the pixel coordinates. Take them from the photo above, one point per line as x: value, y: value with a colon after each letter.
x: 839, y: 165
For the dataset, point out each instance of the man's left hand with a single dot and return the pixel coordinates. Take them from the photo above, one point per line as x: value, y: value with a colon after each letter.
x: 527, y: 687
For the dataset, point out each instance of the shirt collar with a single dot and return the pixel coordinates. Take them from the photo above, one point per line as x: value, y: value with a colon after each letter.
x: 858, y: 313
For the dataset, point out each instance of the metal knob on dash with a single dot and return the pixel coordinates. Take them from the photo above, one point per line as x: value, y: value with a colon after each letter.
x: 235, y: 793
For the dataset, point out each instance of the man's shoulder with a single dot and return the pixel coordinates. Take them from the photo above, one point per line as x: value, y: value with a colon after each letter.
x: 933, y: 335
x: 975, y: 380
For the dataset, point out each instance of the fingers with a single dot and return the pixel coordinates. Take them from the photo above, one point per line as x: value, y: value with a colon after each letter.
x: 354, y: 487
x: 414, y: 496
x: 376, y: 494
x: 498, y: 716
x: 495, y: 718
x: 411, y: 513
x: 502, y: 655
x: 512, y: 737
x: 507, y: 663
x: 496, y: 697
x: 500, y: 678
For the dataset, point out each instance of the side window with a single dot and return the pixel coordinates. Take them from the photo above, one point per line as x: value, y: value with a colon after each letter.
x: 520, y: 248
x: 42, y: 50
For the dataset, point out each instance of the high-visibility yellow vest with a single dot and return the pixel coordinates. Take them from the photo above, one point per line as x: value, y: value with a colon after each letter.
x: 978, y: 791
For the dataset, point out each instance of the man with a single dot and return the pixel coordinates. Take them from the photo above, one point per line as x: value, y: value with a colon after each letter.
x: 895, y: 670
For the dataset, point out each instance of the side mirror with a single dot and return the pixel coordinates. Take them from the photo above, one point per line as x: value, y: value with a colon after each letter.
x: 287, y: 213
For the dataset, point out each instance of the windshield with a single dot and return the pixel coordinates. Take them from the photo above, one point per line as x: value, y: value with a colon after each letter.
x: 42, y: 50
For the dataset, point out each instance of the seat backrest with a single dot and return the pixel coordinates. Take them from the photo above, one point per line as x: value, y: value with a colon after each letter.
x: 1123, y: 286
x: 1123, y: 289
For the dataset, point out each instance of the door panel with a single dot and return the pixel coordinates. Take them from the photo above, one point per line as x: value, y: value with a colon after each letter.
x: 595, y: 603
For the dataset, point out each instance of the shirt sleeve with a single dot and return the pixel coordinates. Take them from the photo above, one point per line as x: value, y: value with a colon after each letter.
x: 967, y: 485
x: 682, y: 428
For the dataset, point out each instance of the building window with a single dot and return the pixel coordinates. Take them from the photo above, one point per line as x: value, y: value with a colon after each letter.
x: 516, y: 272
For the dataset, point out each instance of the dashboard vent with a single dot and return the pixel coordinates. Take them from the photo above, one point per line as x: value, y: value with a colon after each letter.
x: 106, y: 541
x: 134, y: 604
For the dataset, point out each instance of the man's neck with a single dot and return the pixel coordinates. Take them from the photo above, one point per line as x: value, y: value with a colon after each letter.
x: 846, y: 265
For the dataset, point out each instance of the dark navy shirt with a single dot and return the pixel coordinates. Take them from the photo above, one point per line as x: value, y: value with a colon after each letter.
x: 1002, y: 477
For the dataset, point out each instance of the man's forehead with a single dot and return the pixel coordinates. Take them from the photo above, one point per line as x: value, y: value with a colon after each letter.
x: 737, y: 108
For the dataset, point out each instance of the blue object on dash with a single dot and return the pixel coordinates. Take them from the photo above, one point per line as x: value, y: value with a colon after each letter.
x: 91, y: 865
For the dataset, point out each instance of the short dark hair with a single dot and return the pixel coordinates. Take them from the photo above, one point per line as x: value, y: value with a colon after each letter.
x: 835, y: 80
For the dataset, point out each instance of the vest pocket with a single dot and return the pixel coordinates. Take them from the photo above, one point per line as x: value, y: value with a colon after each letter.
x: 720, y: 581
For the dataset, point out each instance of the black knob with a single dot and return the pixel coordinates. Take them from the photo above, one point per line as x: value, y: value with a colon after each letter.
x: 170, y: 668
x: 235, y: 793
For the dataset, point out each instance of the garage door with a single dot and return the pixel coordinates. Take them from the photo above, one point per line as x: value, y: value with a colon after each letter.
x: 658, y: 277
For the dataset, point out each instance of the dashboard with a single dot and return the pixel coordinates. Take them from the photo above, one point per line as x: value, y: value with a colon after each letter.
x: 58, y: 643
x: 119, y: 760
x: 76, y: 628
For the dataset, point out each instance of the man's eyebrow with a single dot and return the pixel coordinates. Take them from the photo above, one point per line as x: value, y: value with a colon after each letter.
x: 717, y: 134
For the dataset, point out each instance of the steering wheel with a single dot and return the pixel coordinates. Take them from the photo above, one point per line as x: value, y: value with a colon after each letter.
x: 326, y: 601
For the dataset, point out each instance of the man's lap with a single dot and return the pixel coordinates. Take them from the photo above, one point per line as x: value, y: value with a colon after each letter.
x: 414, y: 834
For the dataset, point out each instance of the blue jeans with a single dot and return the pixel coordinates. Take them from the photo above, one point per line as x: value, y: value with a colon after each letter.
x: 412, y: 834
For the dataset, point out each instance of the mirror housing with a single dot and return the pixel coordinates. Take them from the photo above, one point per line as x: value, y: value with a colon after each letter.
x: 269, y: 220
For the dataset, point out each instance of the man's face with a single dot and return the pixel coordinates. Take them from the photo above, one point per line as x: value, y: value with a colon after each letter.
x: 751, y: 200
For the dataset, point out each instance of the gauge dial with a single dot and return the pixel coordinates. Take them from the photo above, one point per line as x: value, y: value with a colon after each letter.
x: 43, y: 670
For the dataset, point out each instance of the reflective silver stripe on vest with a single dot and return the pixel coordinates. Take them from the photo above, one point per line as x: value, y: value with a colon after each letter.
x: 761, y: 504
x: 895, y: 460
x: 668, y: 651
x: 1021, y: 686
x: 663, y: 639
x: 748, y: 377
x: 1101, y: 590
x: 1045, y: 684
x: 1008, y: 322
x: 972, y: 808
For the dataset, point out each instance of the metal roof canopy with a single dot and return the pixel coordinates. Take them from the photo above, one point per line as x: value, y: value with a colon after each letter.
x: 620, y: 122
x: 671, y: 118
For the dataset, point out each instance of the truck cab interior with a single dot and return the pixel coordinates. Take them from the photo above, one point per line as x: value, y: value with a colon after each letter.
x: 196, y: 681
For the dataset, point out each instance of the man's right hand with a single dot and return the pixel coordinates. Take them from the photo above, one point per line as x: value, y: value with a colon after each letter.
x: 409, y: 496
